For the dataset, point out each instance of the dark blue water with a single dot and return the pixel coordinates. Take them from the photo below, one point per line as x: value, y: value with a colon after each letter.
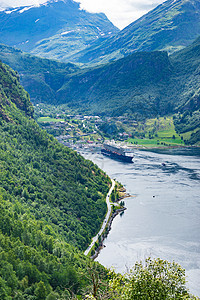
x: 163, y: 215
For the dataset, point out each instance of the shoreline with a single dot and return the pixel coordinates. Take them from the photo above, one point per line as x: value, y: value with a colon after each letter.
x: 108, y: 227
x: 104, y: 235
x: 169, y: 147
x: 105, y: 221
x: 143, y: 147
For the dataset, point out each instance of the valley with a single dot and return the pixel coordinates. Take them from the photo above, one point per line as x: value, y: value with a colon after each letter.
x: 142, y: 85
x: 71, y: 81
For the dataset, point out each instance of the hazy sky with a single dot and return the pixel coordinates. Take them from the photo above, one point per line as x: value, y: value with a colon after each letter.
x: 120, y: 12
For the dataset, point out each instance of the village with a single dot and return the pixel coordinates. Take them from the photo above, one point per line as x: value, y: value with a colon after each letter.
x: 77, y: 130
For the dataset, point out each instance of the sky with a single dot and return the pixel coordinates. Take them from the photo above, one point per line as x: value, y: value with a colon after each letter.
x: 120, y: 12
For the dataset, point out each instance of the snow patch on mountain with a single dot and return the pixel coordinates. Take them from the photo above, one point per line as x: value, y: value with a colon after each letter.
x: 9, y: 11
x: 26, y: 8
x: 11, y: 6
x: 66, y: 32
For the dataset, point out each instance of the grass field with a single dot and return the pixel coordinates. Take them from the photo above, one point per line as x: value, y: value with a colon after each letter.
x: 48, y: 119
x: 187, y: 134
x: 159, y: 132
x: 156, y: 142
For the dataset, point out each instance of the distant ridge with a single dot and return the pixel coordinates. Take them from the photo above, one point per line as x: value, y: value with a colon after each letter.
x: 54, y: 29
x: 61, y: 30
x: 142, y: 84
x: 171, y: 26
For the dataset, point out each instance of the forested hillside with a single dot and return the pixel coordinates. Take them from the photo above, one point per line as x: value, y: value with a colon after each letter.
x: 132, y: 85
x: 52, y: 200
x: 40, y: 77
x: 187, y: 63
x: 12, y: 92
x: 142, y: 84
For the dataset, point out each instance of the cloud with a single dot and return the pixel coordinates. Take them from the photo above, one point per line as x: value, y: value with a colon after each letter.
x: 120, y: 12
x: 17, y: 3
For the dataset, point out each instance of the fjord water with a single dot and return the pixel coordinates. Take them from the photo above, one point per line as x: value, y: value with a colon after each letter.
x: 163, y: 215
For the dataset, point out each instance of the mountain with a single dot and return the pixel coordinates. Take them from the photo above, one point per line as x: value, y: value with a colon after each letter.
x: 61, y: 30
x: 42, y: 152
x: 143, y: 83
x: 171, y: 26
x: 105, y: 89
x: 187, y: 62
x: 12, y: 93
x: 52, y: 201
x: 187, y: 73
x: 55, y: 29
x: 42, y: 78
x: 130, y: 85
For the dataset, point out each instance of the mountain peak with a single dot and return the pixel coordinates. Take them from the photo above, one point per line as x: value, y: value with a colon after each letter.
x: 42, y: 27
x: 17, y: 6
x: 170, y: 26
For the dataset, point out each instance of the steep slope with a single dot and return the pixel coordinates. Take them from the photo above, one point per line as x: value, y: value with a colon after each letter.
x: 54, y: 29
x: 130, y: 85
x: 51, y: 200
x: 187, y: 64
x: 171, y: 26
x: 143, y: 84
x: 187, y: 76
x: 146, y: 83
x: 40, y: 77
x: 64, y: 184
x: 11, y: 92
x: 53, y: 82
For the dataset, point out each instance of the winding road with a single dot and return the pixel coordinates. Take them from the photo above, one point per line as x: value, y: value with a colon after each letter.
x: 105, y: 221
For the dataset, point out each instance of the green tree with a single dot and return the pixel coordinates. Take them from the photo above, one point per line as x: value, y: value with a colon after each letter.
x: 113, y: 197
x: 41, y: 291
x: 155, y: 279
x: 53, y: 296
x: 4, y: 290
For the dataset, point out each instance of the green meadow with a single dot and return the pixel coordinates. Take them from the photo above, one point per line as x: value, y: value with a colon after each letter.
x: 159, y: 132
x: 48, y: 120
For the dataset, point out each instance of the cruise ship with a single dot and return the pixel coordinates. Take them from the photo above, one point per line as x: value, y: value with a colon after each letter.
x: 116, y: 152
